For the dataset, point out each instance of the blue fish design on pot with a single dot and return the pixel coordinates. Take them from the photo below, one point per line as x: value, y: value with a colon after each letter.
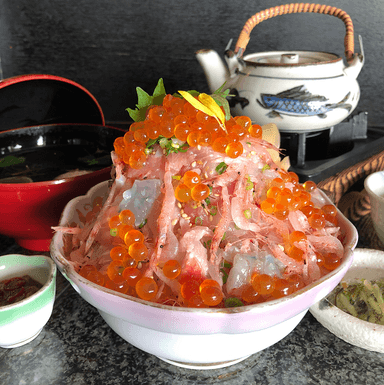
x: 298, y: 101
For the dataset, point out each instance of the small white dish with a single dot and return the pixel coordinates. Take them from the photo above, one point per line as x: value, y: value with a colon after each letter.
x: 374, y: 185
x: 368, y: 264
x: 22, y: 321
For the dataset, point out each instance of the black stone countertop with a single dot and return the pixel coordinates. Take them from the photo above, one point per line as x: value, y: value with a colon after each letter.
x: 78, y: 347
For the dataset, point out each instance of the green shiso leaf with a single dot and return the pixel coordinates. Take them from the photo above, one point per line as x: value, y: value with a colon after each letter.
x: 144, y: 100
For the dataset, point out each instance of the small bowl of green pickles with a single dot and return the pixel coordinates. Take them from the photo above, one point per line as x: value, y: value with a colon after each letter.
x: 354, y: 310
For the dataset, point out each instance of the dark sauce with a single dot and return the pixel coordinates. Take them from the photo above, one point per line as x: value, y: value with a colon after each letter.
x: 18, y: 288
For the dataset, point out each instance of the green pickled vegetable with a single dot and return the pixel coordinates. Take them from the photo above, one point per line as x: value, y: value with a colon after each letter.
x: 364, y: 300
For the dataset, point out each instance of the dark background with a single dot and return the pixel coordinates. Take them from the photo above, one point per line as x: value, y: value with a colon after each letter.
x: 112, y: 46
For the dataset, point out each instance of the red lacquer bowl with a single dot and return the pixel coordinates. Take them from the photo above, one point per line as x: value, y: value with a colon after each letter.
x: 47, y: 112
x: 29, y: 210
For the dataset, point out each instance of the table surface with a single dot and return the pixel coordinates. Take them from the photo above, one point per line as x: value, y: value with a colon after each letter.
x: 78, y: 347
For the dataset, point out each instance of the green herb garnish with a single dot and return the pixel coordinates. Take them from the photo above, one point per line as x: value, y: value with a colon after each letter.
x: 113, y: 232
x: 144, y: 100
x: 248, y: 214
x: 213, y: 210
x: 225, y: 276
x: 233, y: 302
x: 265, y: 167
x: 220, y: 98
x: 249, y: 184
x: 11, y: 160
x: 198, y: 221
x: 92, y: 162
x: 142, y: 224
x: 168, y: 145
x: 221, y: 167
x: 207, y: 244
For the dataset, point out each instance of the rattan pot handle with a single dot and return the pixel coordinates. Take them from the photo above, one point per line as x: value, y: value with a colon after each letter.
x: 297, y: 8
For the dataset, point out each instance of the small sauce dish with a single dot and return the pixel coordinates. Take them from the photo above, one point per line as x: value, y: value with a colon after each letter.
x: 22, y: 321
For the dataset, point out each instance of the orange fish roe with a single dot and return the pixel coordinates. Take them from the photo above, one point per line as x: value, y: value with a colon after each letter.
x: 191, y: 179
x: 210, y: 292
x: 256, y: 131
x: 115, y: 271
x: 87, y: 269
x: 118, y: 252
x: 196, y: 301
x: 132, y: 275
x: 127, y: 217
x: 309, y: 185
x: 96, y: 277
x: 146, y: 288
x: 211, y: 295
x: 172, y: 269
x: 262, y: 283
x: 282, y: 288
x: 279, y: 200
x: 200, y: 192
x: 331, y: 261
x: 138, y: 251
x: 123, y: 229
x: 133, y: 236
x: 183, y: 193
x: 177, y: 118
x: 249, y: 295
x: 191, y: 188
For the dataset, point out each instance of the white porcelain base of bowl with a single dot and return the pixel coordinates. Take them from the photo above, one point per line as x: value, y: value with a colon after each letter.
x: 196, y: 351
x: 215, y: 365
x: 21, y: 343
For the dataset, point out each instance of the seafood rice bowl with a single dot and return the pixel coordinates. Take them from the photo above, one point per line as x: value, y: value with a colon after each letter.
x: 203, y: 249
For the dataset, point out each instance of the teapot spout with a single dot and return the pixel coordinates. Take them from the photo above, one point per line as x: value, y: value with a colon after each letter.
x: 214, y: 68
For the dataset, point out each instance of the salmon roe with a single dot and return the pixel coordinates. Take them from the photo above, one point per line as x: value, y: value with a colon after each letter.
x: 146, y: 288
x: 191, y: 179
x: 262, y: 283
x: 191, y: 188
x: 171, y: 269
x: 177, y: 118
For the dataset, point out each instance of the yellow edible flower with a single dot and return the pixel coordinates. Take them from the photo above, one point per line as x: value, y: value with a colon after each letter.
x: 206, y: 104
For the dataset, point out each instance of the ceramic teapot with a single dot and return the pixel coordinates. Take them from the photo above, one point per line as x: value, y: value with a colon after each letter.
x: 299, y: 91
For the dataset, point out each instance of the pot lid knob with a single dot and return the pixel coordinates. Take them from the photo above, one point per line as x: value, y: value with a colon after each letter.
x: 289, y: 58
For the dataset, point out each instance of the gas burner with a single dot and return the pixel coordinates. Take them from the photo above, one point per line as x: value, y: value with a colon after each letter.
x: 319, y: 155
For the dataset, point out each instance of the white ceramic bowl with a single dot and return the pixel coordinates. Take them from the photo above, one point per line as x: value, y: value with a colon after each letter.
x: 196, y: 338
x: 374, y: 185
x: 22, y: 321
x: 368, y: 264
